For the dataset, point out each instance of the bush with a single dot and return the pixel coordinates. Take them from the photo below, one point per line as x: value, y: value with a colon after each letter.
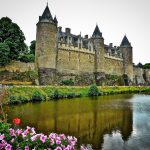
x: 13, y: 100
x: 27, y: 58
x: 67, y: 82
x: 22, y: 99
x: 37, y: 96
x: 93, y: 91
x: 56, y: 95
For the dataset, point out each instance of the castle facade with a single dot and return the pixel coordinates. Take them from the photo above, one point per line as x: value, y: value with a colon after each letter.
x: 61, y: 55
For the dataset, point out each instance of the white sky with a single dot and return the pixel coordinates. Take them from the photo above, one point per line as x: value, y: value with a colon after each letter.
x: 114, y: 17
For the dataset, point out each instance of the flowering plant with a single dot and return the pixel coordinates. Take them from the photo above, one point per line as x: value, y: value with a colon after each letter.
x: 16, y: 121
x: 28, y: 139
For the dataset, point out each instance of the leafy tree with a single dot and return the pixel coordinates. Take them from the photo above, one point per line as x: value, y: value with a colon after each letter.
x: 12, y: 36
x: 4, y: 53
x: 146, y: 66
x: 32, y: 47
x: 27, y: 58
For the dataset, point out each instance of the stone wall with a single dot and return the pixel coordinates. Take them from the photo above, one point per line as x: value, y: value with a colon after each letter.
x: 17, y: 66
x: 113, y: 66
x: 141, y: 76
x: 75, y: 62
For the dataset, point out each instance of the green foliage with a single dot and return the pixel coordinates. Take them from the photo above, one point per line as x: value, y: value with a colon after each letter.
x: 4, y: 129
x: 13, y: 100
x: 11, y: 40
x: 4, y: 54
x: 93, y: 91
x: 56, y: 95
x: 146, y: 66
x: 37, y: 96
x: 27, y: 58
x: 67, y: 82
x: 32, y: 47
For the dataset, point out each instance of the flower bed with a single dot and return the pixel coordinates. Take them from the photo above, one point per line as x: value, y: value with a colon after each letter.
x: 19, y: 139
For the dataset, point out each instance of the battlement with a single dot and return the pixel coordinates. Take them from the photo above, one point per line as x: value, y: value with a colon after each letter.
x: 61, y: 54
x: 73, y: 48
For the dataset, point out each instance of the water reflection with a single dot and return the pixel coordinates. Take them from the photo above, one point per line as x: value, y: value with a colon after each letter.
x: 109, y: 122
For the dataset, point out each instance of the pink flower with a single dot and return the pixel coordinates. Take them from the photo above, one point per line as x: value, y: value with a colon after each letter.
x: 52, y: 142
x: 18, y: 131
x: 32, y: 131
x: 33, y: 138
x: 43, y: 138
x: 62, y: 136
x: 12, y: 132
x: 12, y: 140
x: 58, y: 142
x: 58, y: 148
x: 66, y: 148
x: 2, y: 136
x: 26, y: 148
x: 8, y: 147
x: 52, y: 135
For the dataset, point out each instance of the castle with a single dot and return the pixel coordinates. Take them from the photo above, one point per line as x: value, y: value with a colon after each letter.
x: 63, y: 55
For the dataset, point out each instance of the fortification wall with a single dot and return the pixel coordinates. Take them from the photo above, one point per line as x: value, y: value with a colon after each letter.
x: 138, y: 76
x: 113, y: 65
x: 17, y: 66
x: 75, y: 61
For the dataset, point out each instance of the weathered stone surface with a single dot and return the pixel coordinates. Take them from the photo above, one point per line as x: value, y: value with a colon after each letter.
x: 46, y: 76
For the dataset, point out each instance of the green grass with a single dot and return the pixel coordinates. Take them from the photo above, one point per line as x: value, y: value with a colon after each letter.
x: 21, y: 94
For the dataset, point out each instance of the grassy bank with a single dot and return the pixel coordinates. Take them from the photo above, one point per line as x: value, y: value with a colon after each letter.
x: 22, y: 94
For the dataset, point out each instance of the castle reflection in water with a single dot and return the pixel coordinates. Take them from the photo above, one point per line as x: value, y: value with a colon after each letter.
x: 88, y: 120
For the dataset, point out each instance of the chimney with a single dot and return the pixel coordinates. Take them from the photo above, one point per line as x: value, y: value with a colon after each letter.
x: 86, y: 36
x: 59, y: 29
x: 68, y: 31
x: 111, y: 45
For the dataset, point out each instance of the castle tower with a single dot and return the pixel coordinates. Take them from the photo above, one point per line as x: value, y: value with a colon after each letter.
x: 126, y: 50
x: 98, y: 43
x: 46, y: 47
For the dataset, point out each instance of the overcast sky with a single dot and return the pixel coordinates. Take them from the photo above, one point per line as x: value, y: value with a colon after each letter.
x: 115, y: 18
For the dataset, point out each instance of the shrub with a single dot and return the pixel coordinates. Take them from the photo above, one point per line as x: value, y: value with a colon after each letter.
x: 27, y: 58
x: 93, y: 91
x: 67, y: 82
x: 71, y: 95
x: 22, y: 99
x: 56, y: 95
x: 13, y: 100
x: 37, y: 96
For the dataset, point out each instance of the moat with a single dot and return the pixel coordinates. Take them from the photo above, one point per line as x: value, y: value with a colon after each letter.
x: 108, y: 122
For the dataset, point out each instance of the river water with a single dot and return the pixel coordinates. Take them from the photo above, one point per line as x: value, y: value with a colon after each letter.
x: 119, y: 122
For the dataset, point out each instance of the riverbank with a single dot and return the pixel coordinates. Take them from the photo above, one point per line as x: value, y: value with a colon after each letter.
x: 23, y: 94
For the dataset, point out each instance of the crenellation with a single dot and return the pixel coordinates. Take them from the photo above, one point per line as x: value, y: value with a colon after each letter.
x: 62, y: 52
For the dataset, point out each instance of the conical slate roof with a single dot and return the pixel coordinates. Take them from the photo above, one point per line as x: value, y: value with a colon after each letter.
x: 46, y: 16
x: 125, y: 42
x: 97, y: 33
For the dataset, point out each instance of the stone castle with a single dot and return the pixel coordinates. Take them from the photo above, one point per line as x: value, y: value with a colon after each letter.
x: 63, y: 55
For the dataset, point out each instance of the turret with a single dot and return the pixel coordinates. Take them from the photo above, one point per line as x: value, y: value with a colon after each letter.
x: 46, y: 51
x: 126, y: 50
x: 98, y: 43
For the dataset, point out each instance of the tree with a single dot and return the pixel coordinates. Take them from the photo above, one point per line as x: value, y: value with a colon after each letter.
x: 32, y: 47
x: 4, y: 53
x: 12, y: 36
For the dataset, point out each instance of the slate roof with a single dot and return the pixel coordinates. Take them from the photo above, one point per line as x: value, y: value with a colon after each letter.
x: 125, y: 42
x: 46, y: 16
x: 97, y: 33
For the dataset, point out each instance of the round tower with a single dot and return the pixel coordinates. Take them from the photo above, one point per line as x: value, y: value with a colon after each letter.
x: 127, y: 54
x: 46, y: 49
x: 98, y: 42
